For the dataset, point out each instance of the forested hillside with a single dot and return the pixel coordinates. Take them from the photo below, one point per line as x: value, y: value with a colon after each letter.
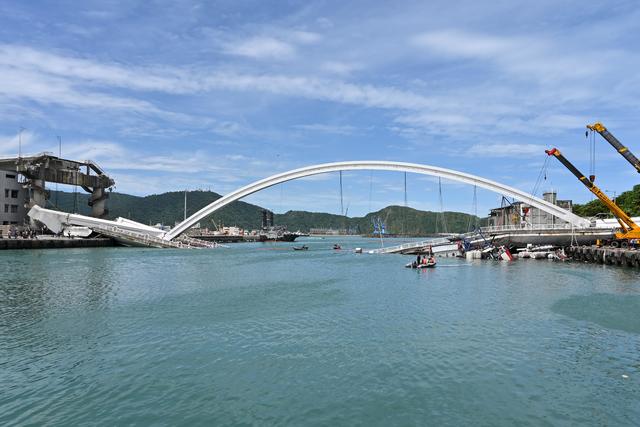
x: 629, y: 201
x: 167, y: 208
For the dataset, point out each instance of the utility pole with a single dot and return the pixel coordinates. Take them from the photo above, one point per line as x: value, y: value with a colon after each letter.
x: 20, y: 142
x: 185, y: 204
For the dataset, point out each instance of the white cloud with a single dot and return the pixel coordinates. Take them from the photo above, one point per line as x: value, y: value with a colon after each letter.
x: 49, y: 78
x: 340, y: 67
x: 9, y: 144
x: 504, y: 150
x: 435, y: 119
x: 17, y: 84
x: 459, y: 43
x: 92, y: 150
x: 328, y: 128
x: 261, y: 48
x: 533, y: 57
x: 303, y: 37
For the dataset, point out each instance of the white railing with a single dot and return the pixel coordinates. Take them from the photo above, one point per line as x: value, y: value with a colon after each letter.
x: 525, y: 227
x: 512, y: 227
x: 410, y: 245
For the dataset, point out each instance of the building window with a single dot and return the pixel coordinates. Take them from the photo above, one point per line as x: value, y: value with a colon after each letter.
x: 6, y: 208
x: 14, y: 194
x: 6, y: 193
x: 14, y: 208
x: 10, y: 176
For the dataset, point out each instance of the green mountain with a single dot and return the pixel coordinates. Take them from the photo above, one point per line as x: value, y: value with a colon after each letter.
x: 397, y: 219
x: 168, y: 208
x: 629, y: 201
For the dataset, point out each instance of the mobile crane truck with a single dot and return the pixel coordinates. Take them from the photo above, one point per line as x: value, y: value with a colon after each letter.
x: 629, y: 230
x: 624, y: 151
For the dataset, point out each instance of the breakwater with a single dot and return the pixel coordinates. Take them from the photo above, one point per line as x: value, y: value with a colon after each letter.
x: 605, y: 255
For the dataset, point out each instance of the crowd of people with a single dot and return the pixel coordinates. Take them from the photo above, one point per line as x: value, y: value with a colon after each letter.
x: 15, y: 233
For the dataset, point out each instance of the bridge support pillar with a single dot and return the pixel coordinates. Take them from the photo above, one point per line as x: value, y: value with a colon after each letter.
x: 98, y: 202
x: 37, y: 196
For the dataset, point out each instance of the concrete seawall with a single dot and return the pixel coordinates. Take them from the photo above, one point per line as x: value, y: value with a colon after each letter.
x: 54, y: 243
x: 608, y: 256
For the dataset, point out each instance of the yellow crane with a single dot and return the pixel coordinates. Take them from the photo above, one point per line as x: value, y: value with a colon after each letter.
x: 624, y: 151
x: 628, y: 229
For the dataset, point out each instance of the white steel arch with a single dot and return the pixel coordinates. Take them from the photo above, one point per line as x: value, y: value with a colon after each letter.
x: 376, y: 165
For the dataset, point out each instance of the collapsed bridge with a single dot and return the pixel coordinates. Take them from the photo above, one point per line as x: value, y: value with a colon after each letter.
x: 59, y: 220
x: 43, y: 168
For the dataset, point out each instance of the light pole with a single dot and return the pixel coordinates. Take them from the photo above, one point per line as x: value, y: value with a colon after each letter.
x: 20, y: 142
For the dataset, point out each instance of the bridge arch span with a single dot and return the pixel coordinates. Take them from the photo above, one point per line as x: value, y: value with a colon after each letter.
x: 376, y: 165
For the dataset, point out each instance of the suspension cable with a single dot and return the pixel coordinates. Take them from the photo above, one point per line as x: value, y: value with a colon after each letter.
x: 444, y: 219
x: 541, y: 176
x: 592, y: 155
x: 474, y: 207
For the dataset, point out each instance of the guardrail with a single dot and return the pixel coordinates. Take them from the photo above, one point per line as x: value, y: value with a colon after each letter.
x: 564, y: 226
x: 410, y: 245
x: 512, y: 227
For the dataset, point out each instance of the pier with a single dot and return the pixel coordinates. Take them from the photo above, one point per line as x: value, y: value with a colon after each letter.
x: 605, y: 255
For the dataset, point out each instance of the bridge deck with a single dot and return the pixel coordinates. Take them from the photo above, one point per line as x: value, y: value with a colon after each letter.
x: 405, y: 247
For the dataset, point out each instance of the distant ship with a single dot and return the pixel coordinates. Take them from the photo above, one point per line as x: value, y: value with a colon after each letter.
x: 279, y: 234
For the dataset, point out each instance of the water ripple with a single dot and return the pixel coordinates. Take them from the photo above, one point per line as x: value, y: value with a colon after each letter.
x: 247, y: 336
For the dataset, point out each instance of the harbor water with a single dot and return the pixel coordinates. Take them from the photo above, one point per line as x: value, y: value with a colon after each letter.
x: 259, y: 334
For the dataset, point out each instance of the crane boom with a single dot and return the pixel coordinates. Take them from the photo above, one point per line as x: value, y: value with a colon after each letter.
x: 630, y: 230
x: 624, y: 151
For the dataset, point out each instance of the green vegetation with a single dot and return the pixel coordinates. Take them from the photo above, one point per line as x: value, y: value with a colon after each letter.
x: 629, y: 201
x: 168, y: 208
x: 398, y: 220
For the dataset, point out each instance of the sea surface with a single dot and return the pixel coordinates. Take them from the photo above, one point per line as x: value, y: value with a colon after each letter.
x: 259, y: 334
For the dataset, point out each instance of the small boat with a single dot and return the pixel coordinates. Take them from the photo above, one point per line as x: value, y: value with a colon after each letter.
x: 431, y: 263
x: 504, y: 254
x: 337, y: 247
x: 301, y: 248
x: 358, y: 250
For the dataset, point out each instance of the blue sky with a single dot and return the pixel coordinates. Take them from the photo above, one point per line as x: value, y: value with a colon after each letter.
x: 189, y: 94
